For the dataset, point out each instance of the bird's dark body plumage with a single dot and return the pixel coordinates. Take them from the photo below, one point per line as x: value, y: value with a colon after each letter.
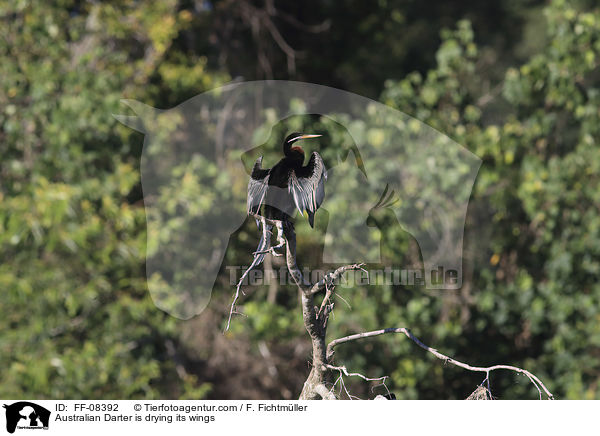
x: 274, y: 193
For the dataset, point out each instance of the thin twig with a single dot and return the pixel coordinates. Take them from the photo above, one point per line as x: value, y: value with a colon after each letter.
x: 344, y: 300
x: 328, y: 292
x: 258, y: 256
x: 344, y: 372
x: 535, y: 380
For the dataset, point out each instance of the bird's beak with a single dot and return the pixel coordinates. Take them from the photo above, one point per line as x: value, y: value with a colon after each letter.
x: 309, y: 136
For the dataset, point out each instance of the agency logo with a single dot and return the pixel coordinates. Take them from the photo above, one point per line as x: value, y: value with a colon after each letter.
x: 26, y: 415
x: 391, y: 179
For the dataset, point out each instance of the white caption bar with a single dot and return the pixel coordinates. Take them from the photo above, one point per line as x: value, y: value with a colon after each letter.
x: 22, y: 417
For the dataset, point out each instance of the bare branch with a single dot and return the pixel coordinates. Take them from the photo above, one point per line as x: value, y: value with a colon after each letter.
x: 326, y: 299
x: 282, y: 43
x: 343, y: 370
x: 331, y: 277
x: 265, y: 241
x: 312, y: 28
x: 325, y: 393
x: 316, y: 326
x: 290, y: 256
x: 536, y: 381
x: 257, y: 16
x: 485, y: 99
x: 232, y: 307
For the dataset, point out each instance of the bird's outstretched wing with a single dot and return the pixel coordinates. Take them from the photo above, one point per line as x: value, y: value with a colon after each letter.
x: 307, y: 186
x: 257, y: 187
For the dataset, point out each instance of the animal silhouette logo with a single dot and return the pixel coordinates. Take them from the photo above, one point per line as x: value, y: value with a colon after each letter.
x: 198, y: 156
x: 26, y: 415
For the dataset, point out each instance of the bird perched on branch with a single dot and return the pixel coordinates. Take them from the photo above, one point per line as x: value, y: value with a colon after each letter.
x: 276, y: 192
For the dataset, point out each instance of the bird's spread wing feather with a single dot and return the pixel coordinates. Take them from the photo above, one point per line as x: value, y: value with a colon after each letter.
x: 307, y: 186
x: 257, y: 187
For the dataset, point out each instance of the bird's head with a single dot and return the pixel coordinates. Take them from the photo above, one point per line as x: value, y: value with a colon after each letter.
x: 290, y: 144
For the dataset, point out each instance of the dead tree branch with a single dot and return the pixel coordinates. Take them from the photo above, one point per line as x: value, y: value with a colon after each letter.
x: 314, y: 322
x: 325, y: 393
x: 534, y: 380
x: 333, y: 276
x: 316, y: 318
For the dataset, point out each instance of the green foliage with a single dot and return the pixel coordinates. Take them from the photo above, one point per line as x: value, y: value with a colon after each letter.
x: 78, y: 321
x: 534, y: 292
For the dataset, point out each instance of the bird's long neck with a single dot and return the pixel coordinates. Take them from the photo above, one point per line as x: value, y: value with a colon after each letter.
x: 295, y: 159
x: 293, y: 154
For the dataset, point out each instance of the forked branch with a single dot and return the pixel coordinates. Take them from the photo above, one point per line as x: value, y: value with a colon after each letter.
x: 534, y: 380
x: 315, y: 322
x: 331, y: 277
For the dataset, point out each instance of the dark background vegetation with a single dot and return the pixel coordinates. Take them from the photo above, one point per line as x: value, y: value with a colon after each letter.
x: 516, y: 82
